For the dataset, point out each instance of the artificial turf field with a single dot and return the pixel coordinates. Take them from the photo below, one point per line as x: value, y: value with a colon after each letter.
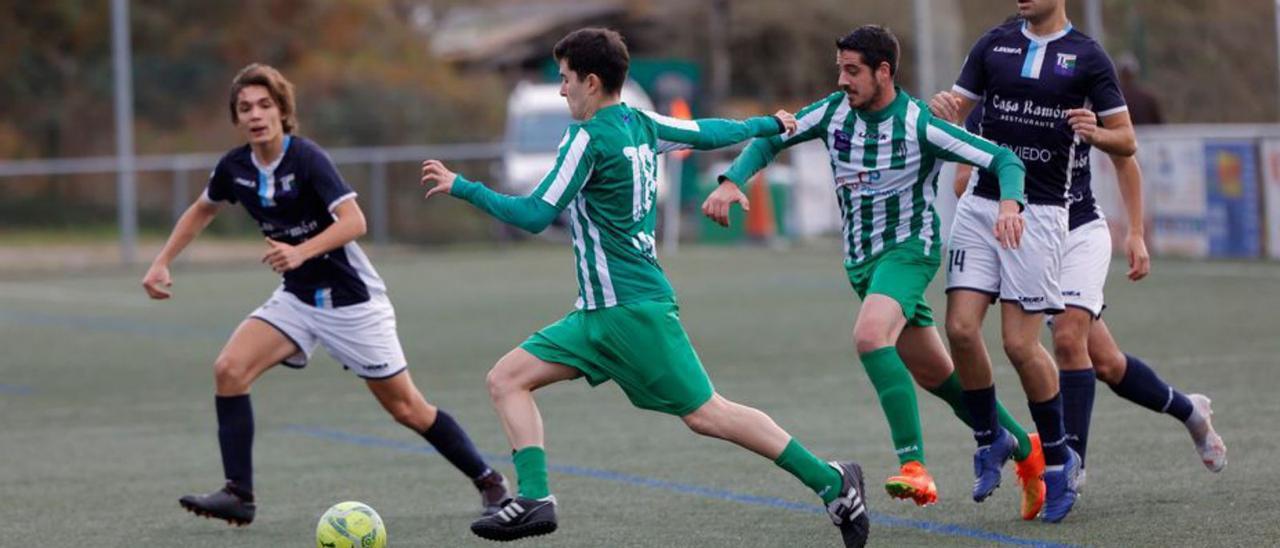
x: 106, y: 412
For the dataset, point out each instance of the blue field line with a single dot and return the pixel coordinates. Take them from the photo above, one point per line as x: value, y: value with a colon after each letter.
x: 15, y: 390
x: 944, y: 529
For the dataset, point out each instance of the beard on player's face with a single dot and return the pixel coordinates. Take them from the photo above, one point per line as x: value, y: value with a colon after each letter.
x: 1035, y: 10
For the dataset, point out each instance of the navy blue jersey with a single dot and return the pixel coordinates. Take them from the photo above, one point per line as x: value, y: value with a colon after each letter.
x: 293, y: 200
x: 1027, y: 84
x: 1082, y: 208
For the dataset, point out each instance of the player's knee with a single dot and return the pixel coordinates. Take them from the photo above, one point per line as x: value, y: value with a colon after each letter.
x: 1020, y: 351
x: 405, y: 414
x: 963, y: 331
x: 501, y: 381
x: 706, y: 419
x: 869, y: 338
x: 1109, y: 366
x: 231, y: 374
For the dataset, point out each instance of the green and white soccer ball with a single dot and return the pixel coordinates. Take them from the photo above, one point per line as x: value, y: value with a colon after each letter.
x: 351, y: 525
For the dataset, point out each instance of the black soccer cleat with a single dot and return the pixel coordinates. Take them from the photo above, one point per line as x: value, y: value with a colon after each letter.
x: 521, y: 517
x: 229, y: 504
x: 849, y: 510
x: 494, y: 492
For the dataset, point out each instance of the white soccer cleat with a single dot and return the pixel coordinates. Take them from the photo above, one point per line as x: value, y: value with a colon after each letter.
x: 1213, y: 453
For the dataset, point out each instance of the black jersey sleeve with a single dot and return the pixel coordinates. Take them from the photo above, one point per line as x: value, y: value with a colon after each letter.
x: 323, y: 176
x: 220, y: 181
x: 1104, y: 87
x: 972, y: 82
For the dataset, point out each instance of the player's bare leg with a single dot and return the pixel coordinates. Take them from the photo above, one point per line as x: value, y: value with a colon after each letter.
x: 253, y: 348
x: 876, y: 338
x: 1140, y: 384
x: 1076, y: 378
x: 1039, y: 378
x: 926, y: 357
x: 511, y: 384
x: 405, y: 403
x: 966, y: 311
x: 840, y: 485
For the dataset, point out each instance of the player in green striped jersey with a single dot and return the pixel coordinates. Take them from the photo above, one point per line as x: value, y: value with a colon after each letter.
x: 627, y: 326
x: 886, y: 150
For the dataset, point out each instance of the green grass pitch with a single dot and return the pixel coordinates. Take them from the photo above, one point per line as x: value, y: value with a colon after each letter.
x: 106, y: 412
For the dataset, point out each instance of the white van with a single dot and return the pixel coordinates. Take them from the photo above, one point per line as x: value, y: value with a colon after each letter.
x: 536, y: 120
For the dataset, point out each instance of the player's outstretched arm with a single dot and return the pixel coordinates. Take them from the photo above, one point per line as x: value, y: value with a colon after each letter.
x: 950, y: 143
x: 1129, y: 178
x: 534, y: 212
x: 157, y: 281
x: 525, y: 212
x: 811, y: 121
x: 713, y: 133
x: 348, y: 225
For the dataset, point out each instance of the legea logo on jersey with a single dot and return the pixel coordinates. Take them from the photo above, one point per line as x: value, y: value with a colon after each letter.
x: 245, y: 182
x: 1066, y: 64
x: 1007, y: 49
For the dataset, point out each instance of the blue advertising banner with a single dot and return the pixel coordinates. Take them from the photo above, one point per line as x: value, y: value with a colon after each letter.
x: 1231, y: 185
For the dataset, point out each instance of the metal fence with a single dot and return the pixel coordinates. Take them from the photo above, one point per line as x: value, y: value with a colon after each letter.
x: 180, y: 167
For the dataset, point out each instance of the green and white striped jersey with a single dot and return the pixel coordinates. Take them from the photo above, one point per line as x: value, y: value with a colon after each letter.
x: 606, y: 176
x: 886, y: 166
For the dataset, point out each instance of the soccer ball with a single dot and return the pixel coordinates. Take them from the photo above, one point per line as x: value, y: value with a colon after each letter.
x: 351, y: 525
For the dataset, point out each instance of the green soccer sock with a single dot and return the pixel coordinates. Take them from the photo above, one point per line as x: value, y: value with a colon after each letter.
x: 951, y: 392
x: 897, y: 394
x: 531, y: 472
x: 810, y: 470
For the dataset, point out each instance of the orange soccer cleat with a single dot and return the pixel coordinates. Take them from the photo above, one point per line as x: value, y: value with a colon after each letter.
x: 914, y: 482
x: 1031, y: 478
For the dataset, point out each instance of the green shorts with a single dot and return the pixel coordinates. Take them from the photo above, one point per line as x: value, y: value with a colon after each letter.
x: 641, y: 346
x: 903, y: 274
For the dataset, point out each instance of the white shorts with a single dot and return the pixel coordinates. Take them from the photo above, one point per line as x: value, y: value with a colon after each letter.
x: 1028, y: 275
x: 361, y: 337
x: 1085, y: 263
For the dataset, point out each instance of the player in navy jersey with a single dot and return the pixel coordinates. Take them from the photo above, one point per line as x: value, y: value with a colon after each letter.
x: 1086, y: 261
x: 1041, y: 81
x: 330, y: 294
x: 1049, y: 93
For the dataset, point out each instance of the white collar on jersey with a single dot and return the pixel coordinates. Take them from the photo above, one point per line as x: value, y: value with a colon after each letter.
x: 1026, y: 31
x: 269, y: 169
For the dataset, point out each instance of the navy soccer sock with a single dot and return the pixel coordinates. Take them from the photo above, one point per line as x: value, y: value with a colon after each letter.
x: 1077, y: 388
x: 1048, y: 418
x: 1142, y: 386
x: 235, y: 439
x: 447, y: 436
x: 982, y: 411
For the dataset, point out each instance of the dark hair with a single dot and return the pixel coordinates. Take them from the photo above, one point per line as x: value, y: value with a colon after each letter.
x: 876, y: 44
x: 280, y: 89
x: 596, y: 51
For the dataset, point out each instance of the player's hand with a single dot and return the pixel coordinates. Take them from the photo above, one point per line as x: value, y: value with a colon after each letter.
x: 717, y: 205
x: 434, y: 173
x: 946, y: 105
x: 1139, y: 260
x: 1009, y: 224
x: 1084, y: 123
x: 157, y: 282
x: 788, y: 121
x: 282, y: 257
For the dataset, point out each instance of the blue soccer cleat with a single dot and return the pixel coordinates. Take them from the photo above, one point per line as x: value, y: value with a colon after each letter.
x: 987, y: 463
x: 1061, y: 485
